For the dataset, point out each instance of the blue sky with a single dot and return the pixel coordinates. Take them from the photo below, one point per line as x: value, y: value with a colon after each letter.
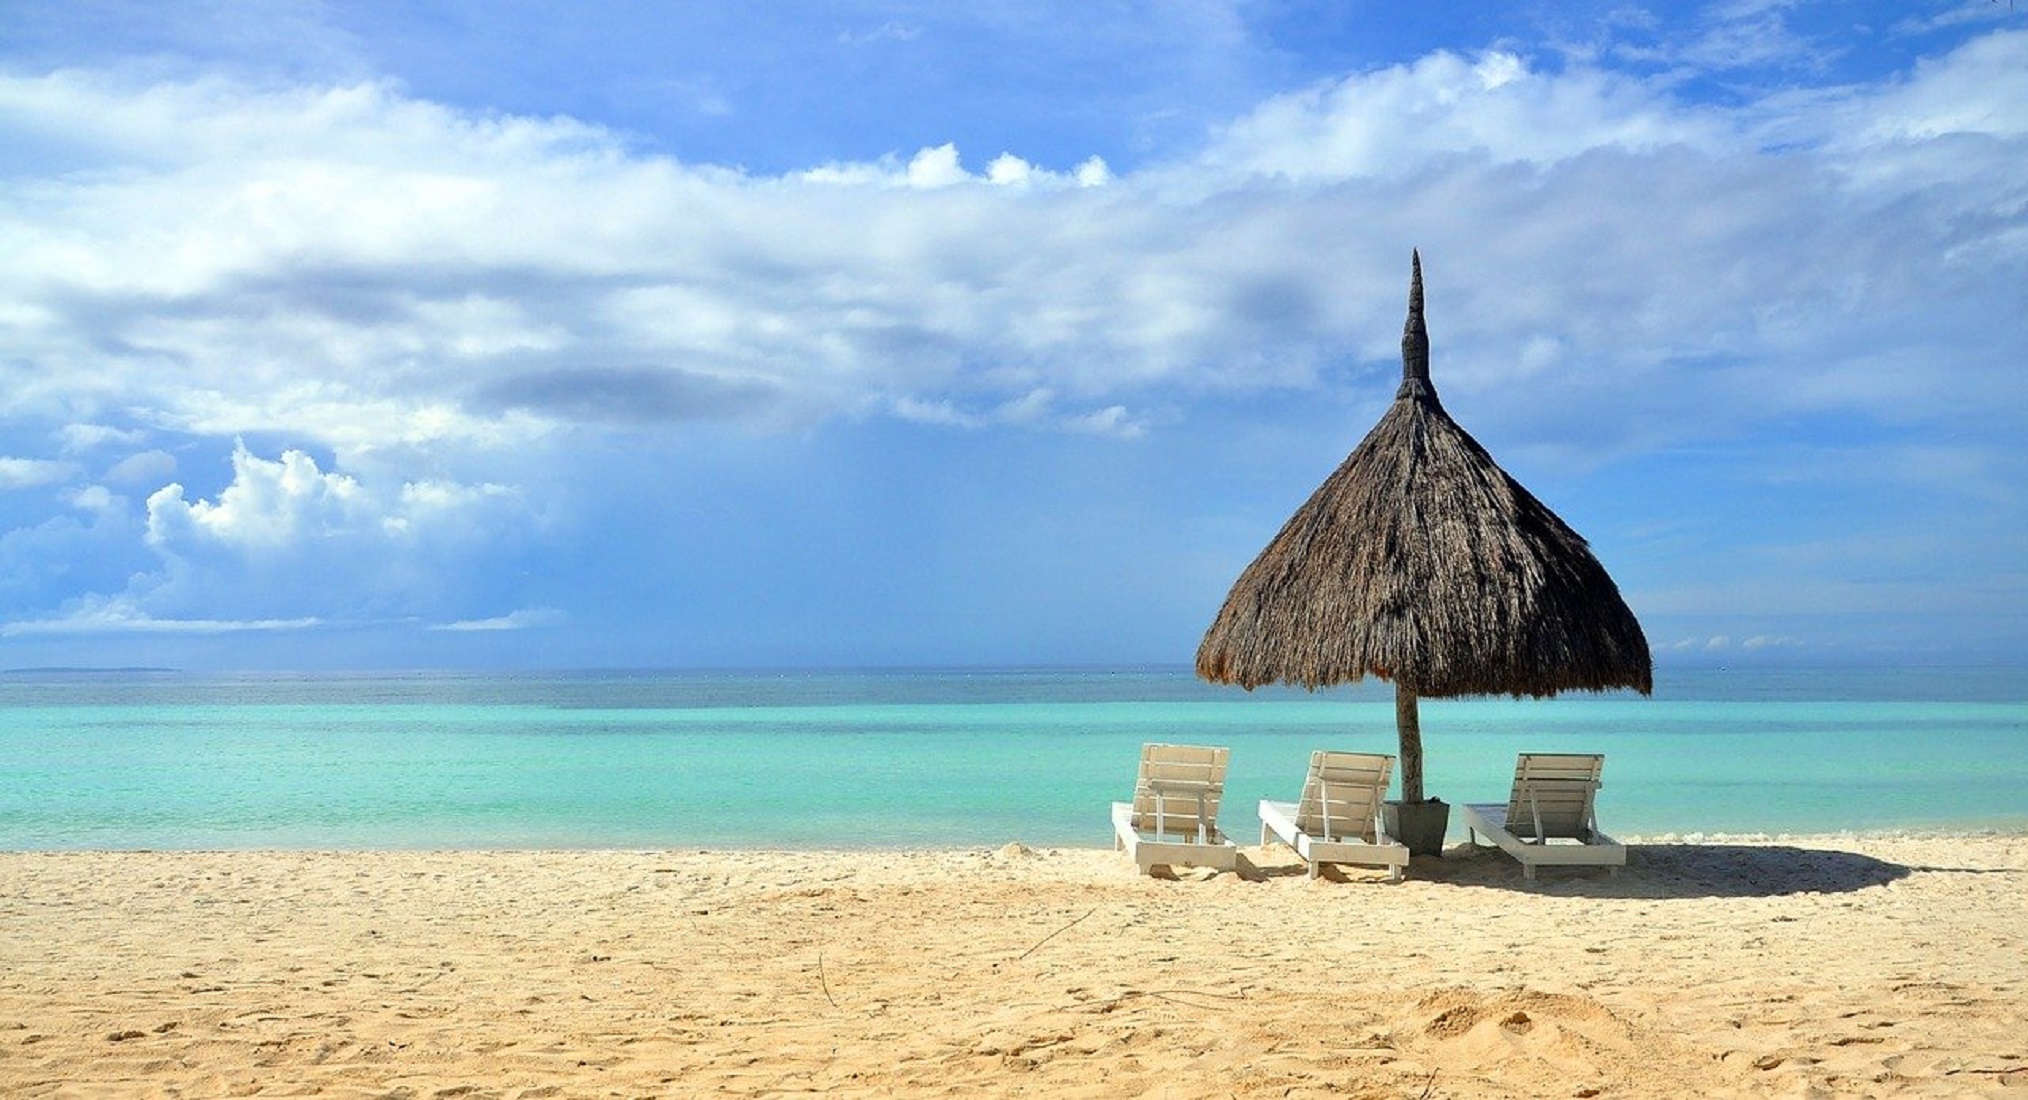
x: 470, y: 334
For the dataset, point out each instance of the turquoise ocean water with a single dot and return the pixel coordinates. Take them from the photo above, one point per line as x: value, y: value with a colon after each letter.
x: 937, y: 758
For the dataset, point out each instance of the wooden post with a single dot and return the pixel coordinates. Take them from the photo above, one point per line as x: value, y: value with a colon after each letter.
x: 1408, y: 723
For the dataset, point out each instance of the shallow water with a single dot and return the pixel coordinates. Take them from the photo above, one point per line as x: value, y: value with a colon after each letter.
x: 936, y: 758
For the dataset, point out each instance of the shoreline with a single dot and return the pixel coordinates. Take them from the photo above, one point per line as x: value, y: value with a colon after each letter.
x: 1452, y: 843
x: 1854, y: 965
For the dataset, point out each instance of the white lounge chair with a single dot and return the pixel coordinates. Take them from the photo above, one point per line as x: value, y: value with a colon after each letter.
x: 1173, y: 819
x: 1549, y: 818
x: 1337, y: 817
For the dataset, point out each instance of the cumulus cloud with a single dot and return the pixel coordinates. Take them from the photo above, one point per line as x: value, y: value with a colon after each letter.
x: 281, y: 506
x: 358, y: 267
x: 398, y: 288
x: 942, y: 166
x: 936, y: 167
x: 285, y: 533
x: 269, y: 505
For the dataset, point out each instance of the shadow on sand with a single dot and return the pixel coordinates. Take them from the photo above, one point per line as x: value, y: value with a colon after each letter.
x: 1674, y: 870
x: 1677, y: 871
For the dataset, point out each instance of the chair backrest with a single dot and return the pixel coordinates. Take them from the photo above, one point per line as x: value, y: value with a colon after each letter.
x: 1342, y: 795
x: 1554, y: 795
x: 1178, y: 788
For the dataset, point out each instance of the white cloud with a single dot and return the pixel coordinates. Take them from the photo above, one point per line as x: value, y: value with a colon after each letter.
x: 95, y: 498
x: 268, y: 505
x: 1966, y: 12
x: 892, y: 30
x: 936, y: 167
x: 364, y: 270
x: 1008, y: 169
x: 1977, y: 90
x: 1395, y: 122
x: 280, y: 505
x: 1721, y: 643
x: 286, y: 539
x: 1030, y: 407
x: 437, y: 298
x: 27, y: 473
x: 1733, y: 37
x: 86, y: 437
x: 919, y: 411
x: 524, y: 619
x: 151, y: 467
x: 97, y: 615
x: 1038, y: 408
x: 1111, y: 420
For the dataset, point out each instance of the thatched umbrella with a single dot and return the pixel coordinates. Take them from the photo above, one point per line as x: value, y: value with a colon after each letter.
x: 1421, y: 562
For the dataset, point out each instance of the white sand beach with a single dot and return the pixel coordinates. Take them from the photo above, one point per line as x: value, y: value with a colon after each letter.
x: 1816, y: 966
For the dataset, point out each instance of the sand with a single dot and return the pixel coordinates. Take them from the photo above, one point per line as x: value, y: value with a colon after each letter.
x: 1832, y: 966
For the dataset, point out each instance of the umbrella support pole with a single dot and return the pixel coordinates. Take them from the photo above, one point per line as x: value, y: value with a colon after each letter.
x: 1415, y: 821
x: 1408, y: 724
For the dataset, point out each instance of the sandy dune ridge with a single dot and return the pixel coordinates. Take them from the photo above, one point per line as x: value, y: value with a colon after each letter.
x: 1832, y: 966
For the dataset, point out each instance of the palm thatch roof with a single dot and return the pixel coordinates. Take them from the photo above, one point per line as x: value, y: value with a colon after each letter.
x: 1422, y: 562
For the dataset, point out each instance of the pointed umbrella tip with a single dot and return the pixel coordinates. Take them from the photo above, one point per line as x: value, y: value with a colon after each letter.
x: 1415, y: 339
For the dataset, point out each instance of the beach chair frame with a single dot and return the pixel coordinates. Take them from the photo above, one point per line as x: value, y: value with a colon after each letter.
x: 1173, y: 818
x: 1338, y: 817
x: 1554, y: 803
